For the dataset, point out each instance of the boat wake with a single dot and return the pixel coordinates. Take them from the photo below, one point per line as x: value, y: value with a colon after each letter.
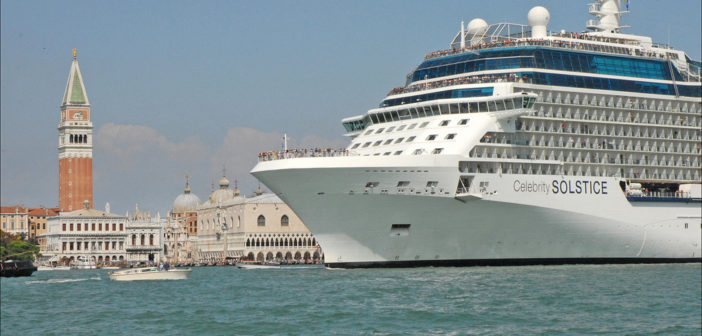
x: 49, y: 281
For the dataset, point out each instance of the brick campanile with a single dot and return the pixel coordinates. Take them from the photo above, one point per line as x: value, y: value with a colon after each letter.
x: 75, y: 144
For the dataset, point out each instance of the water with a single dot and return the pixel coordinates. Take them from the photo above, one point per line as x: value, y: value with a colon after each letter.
x: 551, y: 300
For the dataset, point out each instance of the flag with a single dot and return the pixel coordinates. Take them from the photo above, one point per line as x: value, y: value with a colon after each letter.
x: 627, y: 4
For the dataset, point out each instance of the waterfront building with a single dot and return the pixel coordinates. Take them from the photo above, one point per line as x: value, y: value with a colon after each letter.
x: 180, y: 230
x: 75, y: 144
x: 144, y: 237
x: 38, y: 218
x: 262, y: 227
x: 217, y: 240
x: 14, y: 219
x: 272, y: 231
x: 88, y: 233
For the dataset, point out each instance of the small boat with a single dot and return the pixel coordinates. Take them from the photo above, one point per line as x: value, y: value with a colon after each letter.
x: 53, y: 268
x: 83, y: 263
x: 256, y: 265
x: 17, y: 268
x: 150, y: 273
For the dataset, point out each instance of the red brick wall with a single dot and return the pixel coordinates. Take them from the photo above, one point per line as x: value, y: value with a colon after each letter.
x: 81, y: 178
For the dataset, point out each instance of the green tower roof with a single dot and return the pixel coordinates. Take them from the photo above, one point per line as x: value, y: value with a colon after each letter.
x: 75, y: 89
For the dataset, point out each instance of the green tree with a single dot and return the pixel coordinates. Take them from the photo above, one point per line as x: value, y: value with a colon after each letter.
x: 13, y: 247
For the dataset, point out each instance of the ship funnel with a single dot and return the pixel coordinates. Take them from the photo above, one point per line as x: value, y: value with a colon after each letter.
x: 538, y: 18
x: 609, y: 13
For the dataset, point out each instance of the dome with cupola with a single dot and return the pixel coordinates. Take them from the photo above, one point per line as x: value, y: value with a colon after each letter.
x: 187, y: 201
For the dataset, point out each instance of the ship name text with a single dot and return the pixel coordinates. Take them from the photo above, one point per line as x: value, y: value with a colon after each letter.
x: 577, y: 187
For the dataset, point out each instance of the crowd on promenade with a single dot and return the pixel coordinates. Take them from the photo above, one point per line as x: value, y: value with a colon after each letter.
x: 511, y: 77
x: 300, y: 153
x: 624, y: 49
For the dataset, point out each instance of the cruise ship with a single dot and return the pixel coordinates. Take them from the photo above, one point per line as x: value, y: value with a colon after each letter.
x: 515, y: 146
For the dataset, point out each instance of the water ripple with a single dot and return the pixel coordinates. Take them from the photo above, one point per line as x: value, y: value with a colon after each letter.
x: 549, y: 300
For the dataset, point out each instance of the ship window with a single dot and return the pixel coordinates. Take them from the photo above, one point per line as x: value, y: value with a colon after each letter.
x: 372, y: 184
x: 444, y: 123
x: 509, y: 104
x: 377, y: 143
x: 401, y: 127
x: 473, y: 107
x: 376, y: 154
x: 437, y: 150
x: 402, y: 184
x: 380, y: 130
x: 410, y: 139
x: 388, y: 141
x: 412, y: 126
x: 431, y: 137
x: 432, y: 184
x: 424, y: 124
x: 418, y: 151
x: 390, y: 129
x: 366, y: 144
x: 463, y: 121
x: 386, y: 153
x: 369, y: 131
x: 482, y: 107
x: 356, y: 145
x: 399, y: 140
x: 450, y: 136
x: 500, y: 105
x: 398, y: 152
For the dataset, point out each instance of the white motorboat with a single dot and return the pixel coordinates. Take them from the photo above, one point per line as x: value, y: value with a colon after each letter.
x: 83, y: 263
x: 256, y: 265
x: 150, y: 273
x: 53, y: 268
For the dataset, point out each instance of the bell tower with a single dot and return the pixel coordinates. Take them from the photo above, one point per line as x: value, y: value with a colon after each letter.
x: 75, y: 145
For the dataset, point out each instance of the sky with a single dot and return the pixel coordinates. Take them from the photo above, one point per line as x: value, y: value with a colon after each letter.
x: 193, y: 87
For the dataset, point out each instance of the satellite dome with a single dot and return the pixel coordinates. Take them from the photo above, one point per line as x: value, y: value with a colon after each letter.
x: 477, y: 26
x: 538, y: 16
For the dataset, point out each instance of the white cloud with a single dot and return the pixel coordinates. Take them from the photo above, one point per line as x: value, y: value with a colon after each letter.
x: 135, y: 164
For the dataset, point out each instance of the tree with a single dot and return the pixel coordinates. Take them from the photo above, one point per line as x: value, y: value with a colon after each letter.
x: 13, y: 247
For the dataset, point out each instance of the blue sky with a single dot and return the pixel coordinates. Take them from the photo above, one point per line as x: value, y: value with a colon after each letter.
x: 193, y: 86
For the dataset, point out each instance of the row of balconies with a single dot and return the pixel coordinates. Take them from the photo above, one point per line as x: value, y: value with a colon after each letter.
x: 682, y: 108
x: 690, y: 125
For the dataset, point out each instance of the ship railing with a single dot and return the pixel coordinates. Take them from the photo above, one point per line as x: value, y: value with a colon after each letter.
x: 664, y: 196
x: 510, y: 77
x: 576, y: 45
x: 302, y: 153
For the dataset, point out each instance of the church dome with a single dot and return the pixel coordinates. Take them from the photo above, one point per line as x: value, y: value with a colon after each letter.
x: 224, y: 182
x: 186, y: 202
x: 223, y: 193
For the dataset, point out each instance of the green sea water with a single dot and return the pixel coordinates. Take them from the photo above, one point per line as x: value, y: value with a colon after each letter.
x: 534, y: 300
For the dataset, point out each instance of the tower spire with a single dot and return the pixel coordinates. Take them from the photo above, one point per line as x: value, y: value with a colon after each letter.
x: 75, y: 88
x: 75, y: 144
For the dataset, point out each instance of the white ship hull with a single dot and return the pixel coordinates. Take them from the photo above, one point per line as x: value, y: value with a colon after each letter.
x: 512, y: 220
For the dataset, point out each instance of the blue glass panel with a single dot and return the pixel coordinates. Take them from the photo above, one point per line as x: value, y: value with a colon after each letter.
x: 547, y: 59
